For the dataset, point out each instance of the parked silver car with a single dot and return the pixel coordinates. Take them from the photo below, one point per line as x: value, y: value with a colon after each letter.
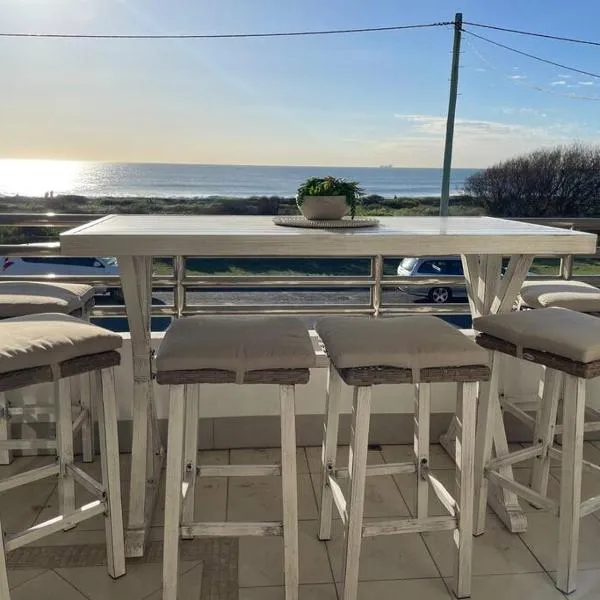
x: 434, y: 266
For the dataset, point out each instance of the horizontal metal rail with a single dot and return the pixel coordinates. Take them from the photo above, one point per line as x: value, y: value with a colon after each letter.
x: 181, y: 282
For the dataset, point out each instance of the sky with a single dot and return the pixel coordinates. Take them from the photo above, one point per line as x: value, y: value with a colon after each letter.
x: 346, y: 100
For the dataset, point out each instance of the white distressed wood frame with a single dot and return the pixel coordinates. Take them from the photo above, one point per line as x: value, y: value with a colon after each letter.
x: 570, y: 483
x: 422, y: 412
x: 6, y: 456
x: 544, y: 429
x: 147, y: 452
x: 357, y: 465
x: 4, y: 588
x: 329, y: 449
x: 64, y: 441
x: 289, y: 482
x: 173, y: 496
x: 111, y: 480
x: 190, y: 457
x: 465, y: 464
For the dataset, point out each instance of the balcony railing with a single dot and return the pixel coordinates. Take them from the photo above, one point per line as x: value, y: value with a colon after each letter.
x: 180, y: 282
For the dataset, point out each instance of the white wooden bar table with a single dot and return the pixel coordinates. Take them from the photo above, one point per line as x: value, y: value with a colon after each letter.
x: 135, y: 239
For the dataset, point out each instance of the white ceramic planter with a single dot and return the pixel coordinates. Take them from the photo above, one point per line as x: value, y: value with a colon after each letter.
x: 324, y: 208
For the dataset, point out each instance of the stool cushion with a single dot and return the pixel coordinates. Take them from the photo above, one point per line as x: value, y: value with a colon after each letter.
x: 576, y: 295
x: 415, y: 343
x: 48, y: 339
x: 18, y: 298
x: 235, y: 343
x: 559, y: 331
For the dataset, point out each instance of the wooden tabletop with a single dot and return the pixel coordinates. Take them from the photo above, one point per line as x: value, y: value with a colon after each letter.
x: 172, y: 235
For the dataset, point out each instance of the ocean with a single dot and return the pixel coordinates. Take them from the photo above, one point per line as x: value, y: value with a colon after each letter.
x: 38, y: 177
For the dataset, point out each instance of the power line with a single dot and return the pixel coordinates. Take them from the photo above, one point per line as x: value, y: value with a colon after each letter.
x: 523, y: 83
x: 534, y: 34
x: 220, y: 35
x: 533, y: 56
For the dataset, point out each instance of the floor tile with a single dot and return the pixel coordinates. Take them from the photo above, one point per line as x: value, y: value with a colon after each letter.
x: 529, y: 586
x: 94, y: 469
x: 313, y: 454
x: 48, y: 586
x: 261, y: 559
x: 259, y: 499
x: 306, y: 592
x: 421, y: 589
x: 267, y: 456
x: 384, y: 557
x: 495, y: 552
x: 382, y: 498
x: 140, y: 581
x: 17, y: 577
x: 190, y: 585
x: 541, y: 538
x: 20, y: 506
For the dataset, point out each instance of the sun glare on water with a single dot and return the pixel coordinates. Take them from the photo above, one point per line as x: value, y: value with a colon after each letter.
x: 36, y: 177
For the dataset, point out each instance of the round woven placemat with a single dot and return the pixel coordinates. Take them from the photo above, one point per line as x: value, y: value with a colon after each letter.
x: 346, y: 223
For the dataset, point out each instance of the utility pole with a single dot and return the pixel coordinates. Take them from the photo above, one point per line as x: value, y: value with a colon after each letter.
x: 458, y: 19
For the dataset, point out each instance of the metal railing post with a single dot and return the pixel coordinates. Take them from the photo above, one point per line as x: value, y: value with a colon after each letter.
x: 376, y: 291
x: 179, y: 288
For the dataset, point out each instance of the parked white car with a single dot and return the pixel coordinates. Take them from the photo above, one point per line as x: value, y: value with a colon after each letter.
x: 91, y: 267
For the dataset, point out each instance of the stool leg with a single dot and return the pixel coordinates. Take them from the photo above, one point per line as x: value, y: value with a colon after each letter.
x: 570, y: 482
x: 329, y: 451
x: 421, y: 445
x: 289, y: 484
x: 87, y: 427
x: 64, y: 445
x: 465, y: 462
x: 173, y: 491
x: 544, y: 429
x: 4, y: 591
x: 6, y: 456
x: 357, y: 468
x: 190, y: 457
x: 109, y: 461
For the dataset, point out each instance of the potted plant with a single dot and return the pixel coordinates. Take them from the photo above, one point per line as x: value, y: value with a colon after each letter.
x: 328, y: 198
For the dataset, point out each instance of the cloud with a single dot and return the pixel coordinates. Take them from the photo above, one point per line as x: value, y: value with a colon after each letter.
x: 518, y: 77
x: 559, y: 82
x: 564, y: 76
x: 585, y: 82
x: 480, y: 70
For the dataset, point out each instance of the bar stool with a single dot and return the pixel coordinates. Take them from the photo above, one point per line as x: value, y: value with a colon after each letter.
x: 56, y: 348
x: 20, y: 298
x: 577, y: 296
x: 567, y: 343
x: 417, y: 351
x: 241, y: 350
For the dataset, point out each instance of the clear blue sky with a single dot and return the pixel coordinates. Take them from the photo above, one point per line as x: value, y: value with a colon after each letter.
x: 364, y: 99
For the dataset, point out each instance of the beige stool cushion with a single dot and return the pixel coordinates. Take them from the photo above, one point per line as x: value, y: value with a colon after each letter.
x: 233, y: 343
x: 419, y: 342
x: 575, y: 295
x: 559, y: 331
x: 18, y: 298
x: 39, y: 340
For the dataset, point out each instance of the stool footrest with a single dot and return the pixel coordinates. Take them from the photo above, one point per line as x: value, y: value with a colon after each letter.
x: 88, y: 482
x: 523, y: 491
x: 586, y: 465
x: 238, y: 470
x: 519, y: 413
x: 387, y: 469
x: 516, y: 457
x: 589, y: 506
x: 29, y: 477
x: 409, y: 526
x: 443, y: 495
x: 81, y: 417
x: 227, y: 529
x: 30, y: 444
x: 54, y: 525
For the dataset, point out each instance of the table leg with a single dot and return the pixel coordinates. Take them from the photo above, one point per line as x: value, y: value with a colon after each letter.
x: 490, y: 292
x: 147, y: 452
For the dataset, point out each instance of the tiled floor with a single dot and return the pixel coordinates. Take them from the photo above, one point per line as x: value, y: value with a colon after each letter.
x: 505, y: 566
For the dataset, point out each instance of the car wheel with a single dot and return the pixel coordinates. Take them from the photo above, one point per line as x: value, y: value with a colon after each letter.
x: 440, y: 295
